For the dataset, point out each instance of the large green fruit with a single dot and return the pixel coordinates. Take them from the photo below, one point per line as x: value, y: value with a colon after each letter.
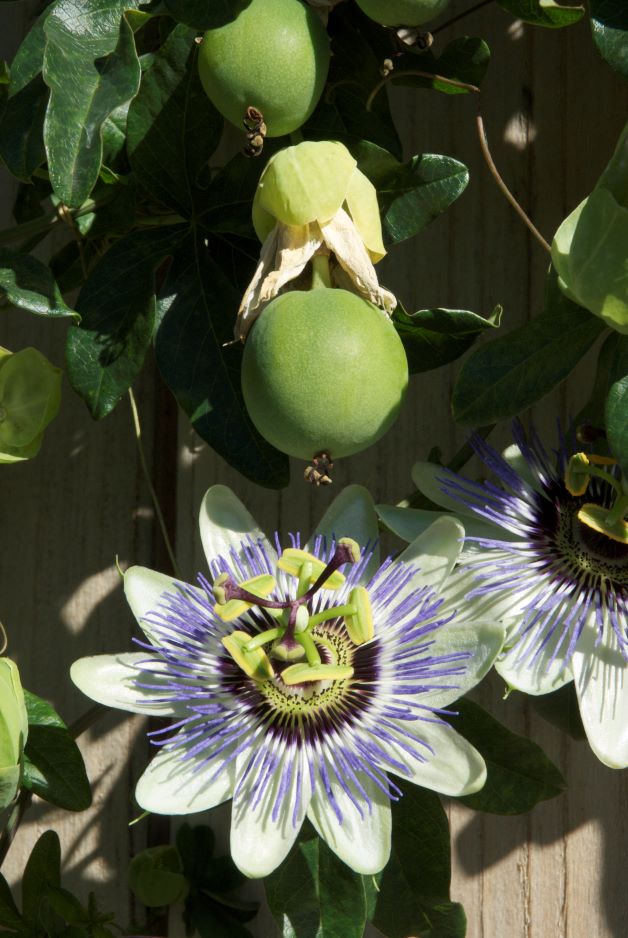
x: 403, y: 12
x: 273, y: 56
x: 323, y: 372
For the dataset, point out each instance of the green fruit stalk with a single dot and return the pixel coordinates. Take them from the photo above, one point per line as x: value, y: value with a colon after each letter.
x: 323, y: 371
x: 274, y: 57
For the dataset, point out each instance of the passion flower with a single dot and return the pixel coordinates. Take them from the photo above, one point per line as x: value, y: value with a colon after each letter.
x: 311, y: 200
x: 273, y: 57
x: 402, y: 12
x: 300, y: 680
x: 547, y: 552
x: 324, y: 371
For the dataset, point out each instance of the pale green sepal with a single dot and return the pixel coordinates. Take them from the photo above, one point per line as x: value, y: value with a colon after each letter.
x: 433, y: 554
x: 174, y: 784
x: 9, y: 783
x: 601, y: 678
x: 225, y: 524
x: 304, y: 183
x: 362, y: 204
x: 30, y: 395
x: 589, y: 252
x: 13, y: 716
x: 406, y: 523
x: 351, y: 514
x: 362, y: 842
x: 116, y: 681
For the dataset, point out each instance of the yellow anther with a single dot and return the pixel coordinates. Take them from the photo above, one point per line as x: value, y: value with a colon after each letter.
x: 292, y: 560
x: 595, y: 517
x: 602, y: 460
x: 255, y: 663
x: 360, y: 625
x: 260, y: 586
x: 576, y: 476
x: 304, y: 673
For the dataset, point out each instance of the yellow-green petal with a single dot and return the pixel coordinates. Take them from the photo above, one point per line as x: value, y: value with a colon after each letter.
x: 363, y: 207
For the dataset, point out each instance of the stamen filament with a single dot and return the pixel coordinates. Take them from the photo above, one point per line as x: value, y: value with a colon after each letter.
x: 311, y: 651
x: 332, y: 613
x: 264, y: 638
x: 325, y: 643
x: 305, y: 576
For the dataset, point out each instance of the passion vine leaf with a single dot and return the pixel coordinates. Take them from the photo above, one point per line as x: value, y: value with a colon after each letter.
x: 505, y: 376
x: 22, y: 121
x: 53, y: 764
x: 465, y: 60
x: 617, y: 422
x: 201, y: 367
x: 609, y: 25
x: 519, y: 773
x: 104, y: 355
x: 543, y: 12
x: 43, y: 870
x: 28, y: 283
x: 173, y: 128
x: 417, y: 192
x: 313, y: 894
x: 10, y: 916
x: 413, y: 889
x: 561, y: 709
x: 435, y: 337
x: 91, y: 67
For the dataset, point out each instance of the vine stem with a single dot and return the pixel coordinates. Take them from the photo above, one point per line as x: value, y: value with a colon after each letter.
x: 149, y: 482
x: 461, y: 16
x: 486, y: 152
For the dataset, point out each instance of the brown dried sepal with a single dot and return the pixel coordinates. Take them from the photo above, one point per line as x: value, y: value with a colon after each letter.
x: 319, y: 472
x: 256, y: 131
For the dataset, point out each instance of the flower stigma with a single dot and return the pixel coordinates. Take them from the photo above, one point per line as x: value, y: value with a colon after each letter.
x: 307, y: 650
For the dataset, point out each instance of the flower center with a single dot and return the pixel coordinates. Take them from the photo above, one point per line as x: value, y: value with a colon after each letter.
x: 588, y: 550
x: 610, y: 522
x: 305, y: 652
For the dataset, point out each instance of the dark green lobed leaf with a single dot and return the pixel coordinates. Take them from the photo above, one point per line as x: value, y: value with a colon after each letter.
x: 104, y: 355
x: 27, y: 283
x: 544, y: 12
x: 196, y: 316
x: 617, y: 421
x: 202, y: 15
x: 342, y: 897
x: 435, y: 337
x: 172, y: 126
x: 519, y: 773
x: 292, y: 890
x: 505, y: 376
x: 413, y: 897
x: 92, y: 69
x: 609, y: 24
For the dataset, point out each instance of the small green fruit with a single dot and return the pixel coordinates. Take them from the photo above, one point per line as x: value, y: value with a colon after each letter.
x: 402, y: 12
x: 324, y: 371
x: 273, y: 56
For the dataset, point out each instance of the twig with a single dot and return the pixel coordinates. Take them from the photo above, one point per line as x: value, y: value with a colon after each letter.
x: 46, y: 223
x: 87, y: 719
x: 502, y: 185
x: 151, y: 487
x: 463, y: 85
x: 461, y: 16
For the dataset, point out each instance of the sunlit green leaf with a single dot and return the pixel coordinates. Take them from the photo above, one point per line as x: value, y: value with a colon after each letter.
x: 543, y: 12
x: 91, y: 68
x: 27, y: 282
x: 435, y: 337
x: 609, y: 23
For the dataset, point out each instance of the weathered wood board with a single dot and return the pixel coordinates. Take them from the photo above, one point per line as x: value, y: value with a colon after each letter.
x: 553, y: 112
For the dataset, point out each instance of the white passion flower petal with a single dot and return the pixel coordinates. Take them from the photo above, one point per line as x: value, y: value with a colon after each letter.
x: 266, y: 818
x: 361, y: 837
x: 226, y: 525
x: 181, y: 781
x: 433, y: 553
x: 532, y: 667
x: 475, y: 646
x: 145, y: 590
x: 452, y: 765
x: 601, y: 676
x: 351, y: 514
x: 427, y: 477
x: 132, y: 681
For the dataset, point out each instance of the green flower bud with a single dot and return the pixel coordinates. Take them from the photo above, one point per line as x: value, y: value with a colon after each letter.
x: 13, y: 730
x: 590, y: 248
x: 156, y: 876
x: 30, y: 394
x: 311, y: 182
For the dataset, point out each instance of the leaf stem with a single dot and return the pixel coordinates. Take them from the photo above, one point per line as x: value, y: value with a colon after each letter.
x: 502, y: 185
x: 46, y: 223
x: 149, y: 482
x: 418, y: 73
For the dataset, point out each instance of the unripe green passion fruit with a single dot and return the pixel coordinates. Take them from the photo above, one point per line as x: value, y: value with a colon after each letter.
x: 323, y: 372
x: 402, y: 12
x: 274, y: 56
